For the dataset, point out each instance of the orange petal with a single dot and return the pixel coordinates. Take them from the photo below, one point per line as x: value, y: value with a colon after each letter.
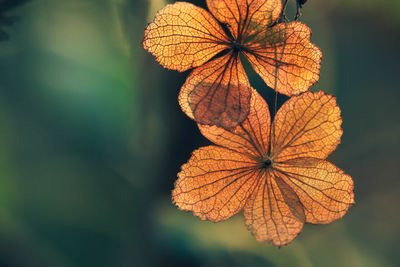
x: 285, y: 58
x: 274, y: 213
x: 245, y: 17
x: 308, y: 125
x: 217, y: 93
x: 252, y: 136
x: 215, y: 183
x: 325, y: 191
x: 183, y: 36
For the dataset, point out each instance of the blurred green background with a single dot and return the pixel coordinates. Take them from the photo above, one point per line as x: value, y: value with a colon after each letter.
x: 92, y: 137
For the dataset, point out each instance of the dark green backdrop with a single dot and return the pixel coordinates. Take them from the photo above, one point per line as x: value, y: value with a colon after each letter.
x: 91, y: 139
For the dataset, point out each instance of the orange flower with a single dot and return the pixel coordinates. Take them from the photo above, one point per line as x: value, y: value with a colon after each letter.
x: 277, y: 174
x: 217, y: 92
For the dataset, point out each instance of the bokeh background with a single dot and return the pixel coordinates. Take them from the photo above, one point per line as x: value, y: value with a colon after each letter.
x: 92, y: 137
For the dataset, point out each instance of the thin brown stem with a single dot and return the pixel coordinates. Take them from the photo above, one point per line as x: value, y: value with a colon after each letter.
x: 282, y: 17
x: 298, y: 12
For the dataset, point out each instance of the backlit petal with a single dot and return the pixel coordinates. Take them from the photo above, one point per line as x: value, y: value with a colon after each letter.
x: 252, y: 136
x: 274, y: 213
x: 325, y: 191
x: 285, y: 58
x: 245, y: 17
x: 217, y: 93
x: 308, y: 125
x: 183, y: 36
x: 215, y: 183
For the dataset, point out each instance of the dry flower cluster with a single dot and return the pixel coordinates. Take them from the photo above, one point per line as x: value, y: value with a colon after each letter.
x: 276, y: 172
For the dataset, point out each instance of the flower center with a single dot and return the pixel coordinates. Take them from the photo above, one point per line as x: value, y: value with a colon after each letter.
x: 267, y: 163
x: 237, y: 47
